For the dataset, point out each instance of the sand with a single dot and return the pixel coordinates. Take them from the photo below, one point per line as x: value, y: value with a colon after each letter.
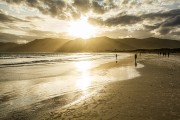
x: 154, y: 95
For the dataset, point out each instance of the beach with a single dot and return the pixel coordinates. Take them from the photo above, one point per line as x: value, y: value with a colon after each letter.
x: 154, y: 94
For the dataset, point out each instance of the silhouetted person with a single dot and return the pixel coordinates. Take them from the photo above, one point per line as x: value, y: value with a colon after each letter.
x: 116, y: 58
x: 168, y: 54
x: 135, y: 57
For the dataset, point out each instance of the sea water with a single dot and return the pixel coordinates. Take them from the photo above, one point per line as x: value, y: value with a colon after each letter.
x: 30, y: 78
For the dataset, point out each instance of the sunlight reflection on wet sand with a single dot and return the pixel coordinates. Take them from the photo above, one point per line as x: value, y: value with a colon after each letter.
x: 85, y: 79
x: 48, y: 81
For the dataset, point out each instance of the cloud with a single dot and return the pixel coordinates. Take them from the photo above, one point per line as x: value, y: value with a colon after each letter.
x: 7, y: 18
x: 175, y: 21
x: 102, y: 6
x: 156, y: 24
x: 82, y: 5
x: 169, y: 26
x: 55, y: 8
x: 122, y: 19
x: 31, y: 18
x: 164, y: 31
x: 97, y: 8
x: 151, y: 27
x: 176, y: 33
x: 118, y: 20
x: 159, y: 18
x: 162, y: 15
x: 65, y: 10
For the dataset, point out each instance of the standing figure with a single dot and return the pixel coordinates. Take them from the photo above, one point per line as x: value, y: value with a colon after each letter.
x: 135, y: 57
x: 116, y: 58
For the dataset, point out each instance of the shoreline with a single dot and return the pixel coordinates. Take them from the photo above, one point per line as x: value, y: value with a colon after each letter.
x: 153, y: 95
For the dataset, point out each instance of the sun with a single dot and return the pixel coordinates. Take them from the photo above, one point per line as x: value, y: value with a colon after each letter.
x: 82, y: 29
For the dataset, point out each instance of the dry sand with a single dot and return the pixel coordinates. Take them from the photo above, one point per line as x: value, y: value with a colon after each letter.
x: 155, y: 95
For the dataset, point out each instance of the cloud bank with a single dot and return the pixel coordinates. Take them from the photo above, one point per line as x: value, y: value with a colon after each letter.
x: 138, y: 18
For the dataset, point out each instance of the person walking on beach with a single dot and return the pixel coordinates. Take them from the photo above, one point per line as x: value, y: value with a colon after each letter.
x: 116, y: 58
x: 135, y: 57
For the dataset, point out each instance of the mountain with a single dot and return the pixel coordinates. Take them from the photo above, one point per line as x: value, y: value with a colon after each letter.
x: 151, y: 43
x: 4, y: 47
x: 98, y: 44
x: 40, y: 45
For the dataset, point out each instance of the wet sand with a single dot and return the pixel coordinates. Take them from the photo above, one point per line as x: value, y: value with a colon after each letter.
x: 154, y: 95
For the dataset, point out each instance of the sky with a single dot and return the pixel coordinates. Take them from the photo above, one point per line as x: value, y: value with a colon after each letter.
x: 22, y: 21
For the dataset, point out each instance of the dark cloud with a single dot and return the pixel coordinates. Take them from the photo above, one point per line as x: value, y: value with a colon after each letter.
x: 14, y: 1
x: 124, y: 19
x: 55, y: 8
x: 116, y: 20
x: 7, y: 18
x: 74, y: 9
x: 172, y: 22
x: 32, y: 3
x: 125, y: 2
x: 98, y: 8
x: 176, y: 33
x: 82, y: 5
x: 169, y: 25
x: 131, y: 4
x: 164, y: 31
x: 34, y: 18
x: 165, y: 22
x: 66, y: 10
x: 161, y: 15
x: 151, y: 27
x: 101, y: 6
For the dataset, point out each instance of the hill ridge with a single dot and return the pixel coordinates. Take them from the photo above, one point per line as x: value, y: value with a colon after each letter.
x: 96, y: 44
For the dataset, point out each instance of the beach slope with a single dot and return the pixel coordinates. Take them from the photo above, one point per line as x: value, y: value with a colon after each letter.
x: 155, y: 95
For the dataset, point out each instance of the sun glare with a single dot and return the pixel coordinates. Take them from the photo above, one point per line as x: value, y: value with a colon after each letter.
x: 81, y: 28
x: 84, y: 80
